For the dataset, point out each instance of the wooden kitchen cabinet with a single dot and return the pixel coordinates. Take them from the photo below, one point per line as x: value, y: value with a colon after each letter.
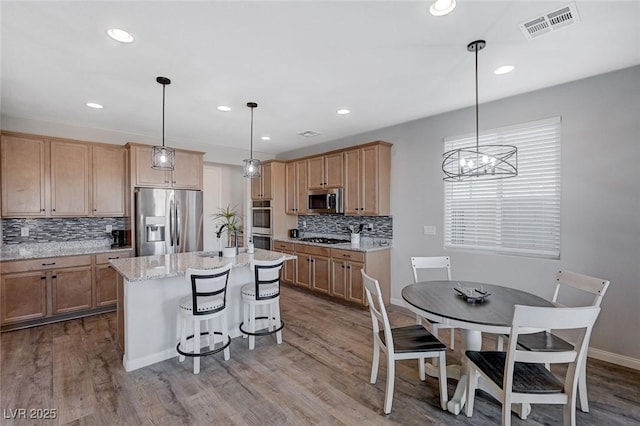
x: 36, y: 291
x: 105, y: 288
x: 296, y: 187
x: 61, y: 178
x: 186, y: 175
x: 262, y: 186
x: 313, y: 265
x: 109, y: 170
x: 346, y: 278
x: 71, y: 289
x: 25, y: 176
x: 70, y: 178
x: 24, y: 296
x: 325, y: 171
x: 367, y: 184
x: 288, y: 275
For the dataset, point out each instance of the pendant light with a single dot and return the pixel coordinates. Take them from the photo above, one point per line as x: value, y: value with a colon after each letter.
x: 480, y: 162
x: 163, y: 157
x: 251, y: 166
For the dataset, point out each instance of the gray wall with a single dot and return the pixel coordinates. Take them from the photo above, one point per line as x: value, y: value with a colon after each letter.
x: 600, y: 197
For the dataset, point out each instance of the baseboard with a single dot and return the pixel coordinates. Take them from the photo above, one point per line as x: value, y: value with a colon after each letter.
x: 613, y: 358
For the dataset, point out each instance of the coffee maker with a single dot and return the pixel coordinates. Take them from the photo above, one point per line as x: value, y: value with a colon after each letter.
x: 119, y: 238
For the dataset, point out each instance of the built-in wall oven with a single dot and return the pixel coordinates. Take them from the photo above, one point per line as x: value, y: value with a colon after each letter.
x: 262, y: 224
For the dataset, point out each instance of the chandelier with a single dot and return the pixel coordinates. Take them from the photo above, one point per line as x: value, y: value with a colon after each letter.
x: 163, y: 157
x: 251, y: 165
x: 480, y: 162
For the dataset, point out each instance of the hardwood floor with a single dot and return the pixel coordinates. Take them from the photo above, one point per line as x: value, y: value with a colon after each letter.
x: 319, y: 375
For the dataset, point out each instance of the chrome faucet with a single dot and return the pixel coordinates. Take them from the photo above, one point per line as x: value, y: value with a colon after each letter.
x: 219, y: 233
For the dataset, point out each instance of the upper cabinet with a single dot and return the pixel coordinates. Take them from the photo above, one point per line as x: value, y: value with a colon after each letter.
x: 296, y: 187
x: 109, y: 181
x: 49, y: 178
x: 367, y: 171
x: 325, y: 171
x: 261, y: 187
x: 187, y: 173
x: 70, y: 178
x: 25, y: 176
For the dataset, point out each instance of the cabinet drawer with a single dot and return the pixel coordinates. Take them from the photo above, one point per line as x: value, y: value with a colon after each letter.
x: 307, y: 249
x: 103, y: 258
x: 47, y: 263
x: 280, y: 245
x: 355, y: 256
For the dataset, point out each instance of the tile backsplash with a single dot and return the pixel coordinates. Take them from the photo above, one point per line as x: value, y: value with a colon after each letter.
x: 60, y: 229
x: 337, y: 224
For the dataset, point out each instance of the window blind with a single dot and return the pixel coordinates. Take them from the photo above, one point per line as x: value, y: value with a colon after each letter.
x: 519, y: 215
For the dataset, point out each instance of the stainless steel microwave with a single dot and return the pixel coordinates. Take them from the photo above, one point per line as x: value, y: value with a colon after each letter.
x: 325, y: 201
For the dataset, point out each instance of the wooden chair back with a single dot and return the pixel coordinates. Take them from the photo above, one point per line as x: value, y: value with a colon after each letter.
x: 596, y: 286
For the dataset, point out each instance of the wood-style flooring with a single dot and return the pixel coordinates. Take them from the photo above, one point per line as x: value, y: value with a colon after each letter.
x: 319, y: 375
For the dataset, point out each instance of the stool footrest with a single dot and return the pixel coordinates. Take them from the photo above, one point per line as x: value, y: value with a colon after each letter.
x: 210, y: 352
x: 261, y: 333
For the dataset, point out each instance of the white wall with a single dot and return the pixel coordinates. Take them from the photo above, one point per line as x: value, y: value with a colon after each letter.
x: 600, y: 197
x: 223, y: 185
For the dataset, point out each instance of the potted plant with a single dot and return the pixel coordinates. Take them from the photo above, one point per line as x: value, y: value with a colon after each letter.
x: 231, y: 222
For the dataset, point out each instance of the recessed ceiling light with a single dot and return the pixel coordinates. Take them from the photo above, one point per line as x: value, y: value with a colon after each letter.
x: 120, y: 35
x: 503, y: 69
x: 94, y: 105
x: 343, y: 111
x: 442, y: 7
x: 266, y: 138
x: 224, y: 108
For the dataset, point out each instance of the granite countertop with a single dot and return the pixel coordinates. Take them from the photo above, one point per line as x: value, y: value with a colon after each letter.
x: 173, y: 265
x: 71, y: 248
x: 367, y: 244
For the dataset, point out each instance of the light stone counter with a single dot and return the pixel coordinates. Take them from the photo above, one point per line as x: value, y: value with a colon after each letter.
x: 149, y: 291
x: 42, y: 250
x: 366, y: 244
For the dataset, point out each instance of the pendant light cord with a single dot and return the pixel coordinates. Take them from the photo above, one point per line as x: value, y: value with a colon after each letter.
x: 163, y: 87
x: 251, y: 150
x: 477, y: 115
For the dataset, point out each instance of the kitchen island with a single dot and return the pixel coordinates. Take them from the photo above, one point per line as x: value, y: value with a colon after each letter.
x: 149, y: 289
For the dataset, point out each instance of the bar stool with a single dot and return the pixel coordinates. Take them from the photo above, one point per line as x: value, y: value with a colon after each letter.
x: 263, y: 293
x: 208, y: 301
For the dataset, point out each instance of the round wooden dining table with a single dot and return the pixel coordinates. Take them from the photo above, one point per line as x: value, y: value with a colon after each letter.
x: 438, y: 301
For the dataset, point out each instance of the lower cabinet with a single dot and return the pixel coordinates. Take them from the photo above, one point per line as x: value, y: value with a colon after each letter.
x: 105, y: 279
x: 336, y: 272
x: 289, y: 269
x: 70, y: 289
x: 346, y: 278
x: 313, y: 267
x: 24, y: 297
x: 39, y: 290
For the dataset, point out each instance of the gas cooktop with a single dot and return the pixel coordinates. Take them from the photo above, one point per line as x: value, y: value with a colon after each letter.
x: 323, y: 240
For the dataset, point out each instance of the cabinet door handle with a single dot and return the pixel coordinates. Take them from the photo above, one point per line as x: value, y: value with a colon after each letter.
x: 346, y: 255
x: 349, y: 267
x: 48, y: 264
x: 53, y: 210
x: 54, y: 276
x: 41, y: 210
x: 43, y: 278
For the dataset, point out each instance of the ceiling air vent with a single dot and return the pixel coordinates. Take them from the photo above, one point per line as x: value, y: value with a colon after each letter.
x: 550, y: 21
x: 308, y: 133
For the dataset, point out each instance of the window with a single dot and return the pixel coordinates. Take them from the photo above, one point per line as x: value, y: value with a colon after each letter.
x: 519, y: 215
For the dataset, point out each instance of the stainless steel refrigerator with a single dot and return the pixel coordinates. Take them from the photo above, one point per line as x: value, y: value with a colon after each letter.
x: 168, y: 221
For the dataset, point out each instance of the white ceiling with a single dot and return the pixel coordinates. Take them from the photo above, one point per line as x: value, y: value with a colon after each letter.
x: 387, y: 61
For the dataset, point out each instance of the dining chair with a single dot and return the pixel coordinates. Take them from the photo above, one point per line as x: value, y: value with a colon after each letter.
x: 263, y: 293
x: 207, y: 302
x: 433, y: 262
x: 545, y: 340
x: 519, y: 376
x: 409, y: 342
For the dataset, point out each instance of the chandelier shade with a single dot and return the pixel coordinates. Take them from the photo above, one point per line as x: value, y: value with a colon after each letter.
x: 163, y: 157
x: 251, y: 166
x: 484, y: 162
